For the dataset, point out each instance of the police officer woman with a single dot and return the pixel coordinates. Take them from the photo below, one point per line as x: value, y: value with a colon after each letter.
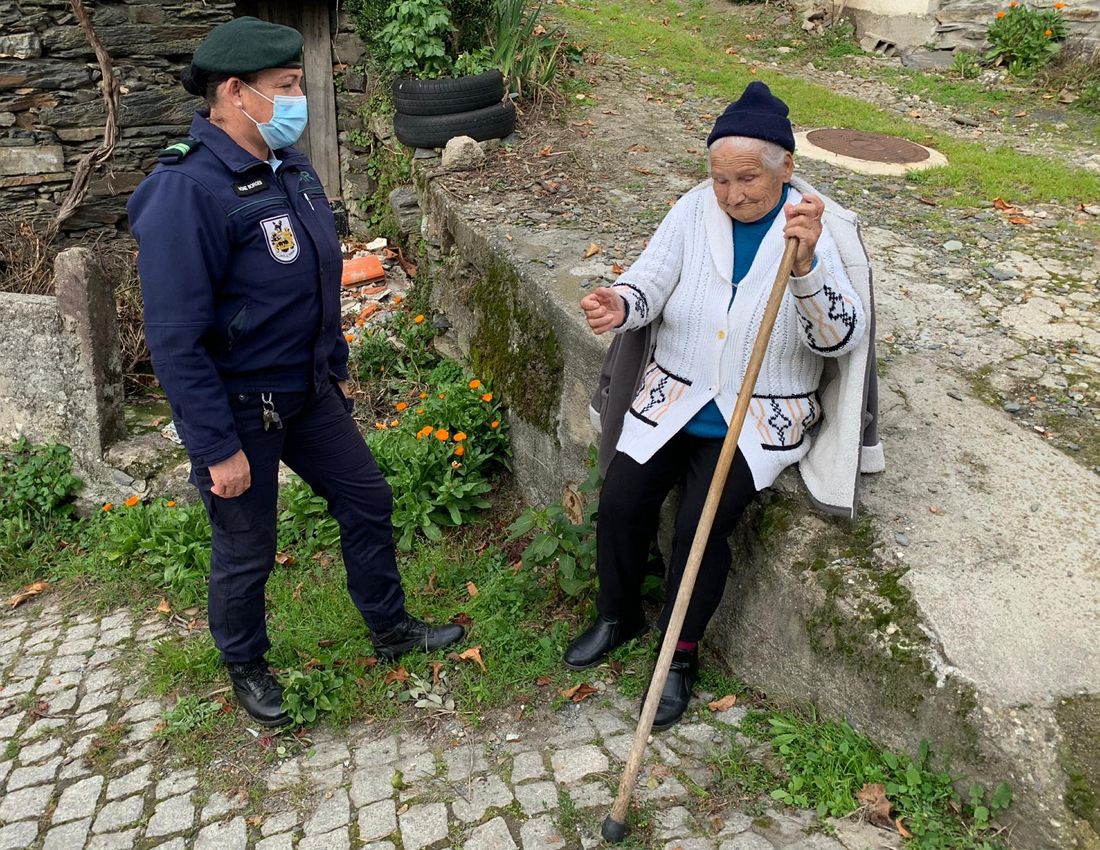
x: 240, y: 270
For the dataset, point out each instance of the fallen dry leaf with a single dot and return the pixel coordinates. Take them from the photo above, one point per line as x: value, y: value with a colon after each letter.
x: 516, y: 567
x: 927, y: 201
x: 616, y: 667
x: 723, y: 704
x: 284, y: 559
x: 462, y: 619
x: 471, y: 589
x: 730, y: 51
x: 592, y: 250
x: 902, y: 831
x: 753, y: 36
x: 395, y: 676
x: 474, y: 654
x: 163, y: 607
x: 876, y: 808
x: 579, y: 692
x: 546, y: 151
x: 28, y: 592
x: 1002, y: 204
x: 935, y: 509
x: 638, y: 147
x: 436, y: 667
x: 325, y: 643
x: 408, y: 266
x: 616, y: 269
x: 255, y: 821
x: 542, y: 681
x: 1019, y: 219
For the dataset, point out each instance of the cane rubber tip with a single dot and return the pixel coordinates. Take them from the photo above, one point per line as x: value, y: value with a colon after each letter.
x: 613, y: 831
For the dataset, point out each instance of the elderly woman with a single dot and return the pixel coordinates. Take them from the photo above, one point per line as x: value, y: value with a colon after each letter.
x: 699, y: 291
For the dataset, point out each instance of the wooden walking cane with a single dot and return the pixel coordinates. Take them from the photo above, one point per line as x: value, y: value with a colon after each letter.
x: 614, y: 825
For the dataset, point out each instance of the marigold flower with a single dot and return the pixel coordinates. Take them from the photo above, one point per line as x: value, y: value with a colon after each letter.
x: 394, y: 423
x: 426, y: 430
x: 397, y: 299
x: 423, y: 395
x: 349, y: 337
x: 442, y: 396
x: 380, y: 426
x: 107, y: 506
x: 419, y: 318
x: 460, y: 451
x: 133, y: 500
x: 1048, y: 33
x: 401, y: 406
x: 1000, y: 14
x: 460, y: 436
x: 442, y: 435
x: 487, y: 397
x: 359, y: 323
x: 1059, y: 6
x: 171, y: 503
x: 494, y: 424
x: 475, y: 384
x: 420, y: 411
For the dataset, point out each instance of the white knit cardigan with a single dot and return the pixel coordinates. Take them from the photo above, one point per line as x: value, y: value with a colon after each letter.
x: 683, y: 279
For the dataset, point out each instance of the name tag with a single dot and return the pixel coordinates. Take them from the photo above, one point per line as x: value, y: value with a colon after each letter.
x: 251, y: 187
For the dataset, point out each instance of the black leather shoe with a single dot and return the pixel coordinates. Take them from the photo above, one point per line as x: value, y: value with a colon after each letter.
x: 592, y: 645
x: 412, y: 633
x: 682, y: 676
x: 258, y: 692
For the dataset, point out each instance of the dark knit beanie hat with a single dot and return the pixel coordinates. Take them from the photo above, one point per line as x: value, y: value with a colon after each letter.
x: 758, y: 114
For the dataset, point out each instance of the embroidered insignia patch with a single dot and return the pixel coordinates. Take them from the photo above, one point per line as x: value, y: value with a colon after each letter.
x: 281, y: 241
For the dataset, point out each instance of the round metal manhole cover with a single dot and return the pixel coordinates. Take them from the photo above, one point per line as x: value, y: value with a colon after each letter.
x: 872, y: 147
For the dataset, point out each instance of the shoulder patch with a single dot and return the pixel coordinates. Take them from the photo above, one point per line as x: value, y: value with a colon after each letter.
x: 177, y: 151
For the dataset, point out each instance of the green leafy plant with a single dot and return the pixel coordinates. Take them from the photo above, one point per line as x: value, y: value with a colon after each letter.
x: 523, y: 50
x: 1025, y: 39
x: 161, y: 543
x: 190, y: 714
x: 37, y: 482
x: 306, y: 695
x: 965, y: 64
x: 828, y: 764
x: 415, y: 36
x: 568, y: 546
x: 305, y: 524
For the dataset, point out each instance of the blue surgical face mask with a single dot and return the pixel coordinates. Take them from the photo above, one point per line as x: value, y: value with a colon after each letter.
x: 287, y: 123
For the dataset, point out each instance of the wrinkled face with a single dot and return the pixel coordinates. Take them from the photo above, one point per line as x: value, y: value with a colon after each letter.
x: 746, y: 189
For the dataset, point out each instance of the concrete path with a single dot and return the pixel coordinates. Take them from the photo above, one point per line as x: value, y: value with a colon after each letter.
x: 68, y: 684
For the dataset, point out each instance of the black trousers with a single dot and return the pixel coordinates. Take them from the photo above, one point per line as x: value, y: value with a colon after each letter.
x: 320, y: 441
x: 630, y: 505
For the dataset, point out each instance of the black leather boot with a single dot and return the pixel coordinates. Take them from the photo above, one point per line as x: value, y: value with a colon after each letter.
x: 592, y: 645
x: 258, y: 692
x: 412, y: 633
x: 682, y: 676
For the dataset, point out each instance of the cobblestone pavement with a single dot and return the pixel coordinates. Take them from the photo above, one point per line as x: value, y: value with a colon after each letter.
x: 64, y: 697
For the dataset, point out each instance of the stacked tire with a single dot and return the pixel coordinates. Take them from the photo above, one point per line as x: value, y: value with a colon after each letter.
x: 429, y: 113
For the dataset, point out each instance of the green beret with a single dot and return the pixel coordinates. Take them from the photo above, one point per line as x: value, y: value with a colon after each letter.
x: 246, y: 45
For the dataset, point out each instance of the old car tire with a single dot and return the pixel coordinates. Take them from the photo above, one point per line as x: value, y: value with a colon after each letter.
x: 447, y: 96
x: 434, y: 131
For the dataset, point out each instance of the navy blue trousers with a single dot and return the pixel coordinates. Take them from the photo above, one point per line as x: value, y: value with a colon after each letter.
x: 321, y: 443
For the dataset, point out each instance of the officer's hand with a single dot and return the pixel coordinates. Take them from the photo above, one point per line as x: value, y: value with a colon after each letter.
x: 604, y: 309
x: 345, y: 390
x: 231, y: 477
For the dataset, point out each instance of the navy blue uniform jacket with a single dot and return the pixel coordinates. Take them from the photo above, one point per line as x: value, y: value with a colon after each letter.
x: 240, y: 272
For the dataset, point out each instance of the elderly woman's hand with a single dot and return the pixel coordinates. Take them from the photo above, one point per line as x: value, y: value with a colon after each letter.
x: 604, y: 309
x: 804, y: 224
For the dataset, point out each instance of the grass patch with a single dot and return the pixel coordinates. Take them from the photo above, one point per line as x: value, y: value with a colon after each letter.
x: 976, y: 172
x: 827, y: 765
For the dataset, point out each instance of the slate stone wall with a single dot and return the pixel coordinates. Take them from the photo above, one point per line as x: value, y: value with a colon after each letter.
x: 51, y: 109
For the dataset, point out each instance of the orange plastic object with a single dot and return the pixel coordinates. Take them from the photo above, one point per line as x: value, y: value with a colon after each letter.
x: 361, y: 269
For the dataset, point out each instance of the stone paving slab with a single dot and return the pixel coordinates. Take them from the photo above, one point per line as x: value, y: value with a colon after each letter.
x: 543, y: 787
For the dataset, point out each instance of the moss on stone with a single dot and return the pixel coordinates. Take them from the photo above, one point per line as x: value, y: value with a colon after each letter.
x: 515, y: 348
x: 1079, y: 720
